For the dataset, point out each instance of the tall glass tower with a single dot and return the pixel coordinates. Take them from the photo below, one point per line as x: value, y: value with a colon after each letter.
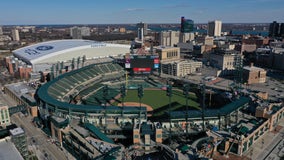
x: 186, y: 25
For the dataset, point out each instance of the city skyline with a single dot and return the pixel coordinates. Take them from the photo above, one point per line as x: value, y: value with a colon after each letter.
x: 34, y: 12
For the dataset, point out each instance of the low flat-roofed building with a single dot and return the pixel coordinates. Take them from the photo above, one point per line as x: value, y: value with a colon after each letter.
x: 257, y: 40
x: 22, y: 93
x: 249, y: 128
x: 252, y: 74
x: 181, y: 68
x: 244, y: 134
x: 225, y: 60
x: 248, y: 48
x: 9, y: 151
x: 274, y: 112
x: 168, y: 53
x: 19, y: 138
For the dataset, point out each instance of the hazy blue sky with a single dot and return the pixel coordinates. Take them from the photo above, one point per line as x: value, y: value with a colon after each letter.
x: 133, y: 11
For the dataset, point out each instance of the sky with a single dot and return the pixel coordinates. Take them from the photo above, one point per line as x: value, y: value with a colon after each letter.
x: 33, y: 12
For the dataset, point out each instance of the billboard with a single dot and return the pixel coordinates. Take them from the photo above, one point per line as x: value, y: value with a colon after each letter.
x: 141, y: 64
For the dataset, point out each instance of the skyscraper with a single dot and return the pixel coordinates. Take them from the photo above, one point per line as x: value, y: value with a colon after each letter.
x: 144, y: 27
x: 186, y: 25
x: 1, y: 30
x: 214, y: 28
x: 85, y: 31
x: 140, y: 34
x: 274, y: 29
x: 169, y: 38
x: 15, y: 35
x: 282, y: 30
x: 75, y: 32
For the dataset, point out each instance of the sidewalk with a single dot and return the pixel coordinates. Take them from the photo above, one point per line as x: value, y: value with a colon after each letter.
x: 264, y: 145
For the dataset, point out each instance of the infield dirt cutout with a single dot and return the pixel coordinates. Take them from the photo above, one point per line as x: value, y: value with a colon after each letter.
x: 136, y: 104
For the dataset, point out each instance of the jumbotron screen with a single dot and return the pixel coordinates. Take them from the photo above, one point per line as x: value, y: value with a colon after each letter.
x: 142, y: 64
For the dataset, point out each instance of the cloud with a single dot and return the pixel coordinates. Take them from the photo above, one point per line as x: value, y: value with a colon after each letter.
x: 182, y: 5
x: 135, y: 9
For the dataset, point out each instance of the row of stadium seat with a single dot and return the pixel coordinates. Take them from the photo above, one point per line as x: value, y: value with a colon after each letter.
x: 68, y: 82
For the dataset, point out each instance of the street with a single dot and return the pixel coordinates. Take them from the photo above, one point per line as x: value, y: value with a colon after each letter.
x: 38, y: 139
x: 267, y: 147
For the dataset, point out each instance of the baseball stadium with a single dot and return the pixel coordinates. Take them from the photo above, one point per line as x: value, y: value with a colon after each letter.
x: 119, y: 96
x: 81, y: 94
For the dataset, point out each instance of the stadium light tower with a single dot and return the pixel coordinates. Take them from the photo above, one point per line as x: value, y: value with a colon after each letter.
x: 122, y: 94
x: 140, y: 95
x: 202, y: 90
x: 185, y: 93
x: 169, y: 94
x: 105, y: 93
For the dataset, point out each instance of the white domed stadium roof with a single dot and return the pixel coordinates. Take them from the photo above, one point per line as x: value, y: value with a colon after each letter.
x: 64, y: 50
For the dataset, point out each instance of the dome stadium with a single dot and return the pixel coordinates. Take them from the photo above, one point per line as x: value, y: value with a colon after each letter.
x: 51, y: 52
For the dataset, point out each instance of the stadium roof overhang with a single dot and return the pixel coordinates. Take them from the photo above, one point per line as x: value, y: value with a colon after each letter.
x: 66, y: 50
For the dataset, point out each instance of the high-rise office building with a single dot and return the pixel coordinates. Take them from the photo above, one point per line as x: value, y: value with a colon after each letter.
x: 1, y: 30
x: 186, y: 37
x: 143, y: 27
x: 274, y: 29
x: 85, y: 31
x: 75, y: 33
x: 214, y: 28
x: 281, y: 31
x: 187, y: 25
x: 15, y: 35
x: 140, y: 34
x: 79, y: 32
x: 169, y: 38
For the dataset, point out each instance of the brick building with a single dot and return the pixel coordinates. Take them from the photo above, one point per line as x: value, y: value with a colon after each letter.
x: 252, y: 74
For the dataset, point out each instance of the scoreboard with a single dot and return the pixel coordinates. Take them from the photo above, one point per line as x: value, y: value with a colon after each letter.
x: 142, y: 64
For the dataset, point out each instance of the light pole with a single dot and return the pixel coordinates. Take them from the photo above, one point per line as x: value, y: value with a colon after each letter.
x: 123, y: 94
x: 185, y: 93
x: 140, y: 95
x: 202, y: 89
x: 169, y: 94
x: 105, y: 95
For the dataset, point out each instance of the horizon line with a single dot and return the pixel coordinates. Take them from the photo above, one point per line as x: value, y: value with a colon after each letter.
x: 126, y: 23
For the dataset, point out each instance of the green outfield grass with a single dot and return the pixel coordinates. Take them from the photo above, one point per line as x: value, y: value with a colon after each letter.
x: 160, y: 102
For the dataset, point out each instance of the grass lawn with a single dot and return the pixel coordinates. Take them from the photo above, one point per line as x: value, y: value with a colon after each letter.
x: 160, y: 102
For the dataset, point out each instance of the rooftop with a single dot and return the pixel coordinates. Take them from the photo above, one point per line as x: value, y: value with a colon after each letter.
x: 17, y: 131
x: 253, y: 68
x: 9, y: 151
x: 66, y: 50
x: 247, y: 126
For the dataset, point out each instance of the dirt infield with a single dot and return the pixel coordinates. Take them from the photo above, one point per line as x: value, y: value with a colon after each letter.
x: 131, y: 104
